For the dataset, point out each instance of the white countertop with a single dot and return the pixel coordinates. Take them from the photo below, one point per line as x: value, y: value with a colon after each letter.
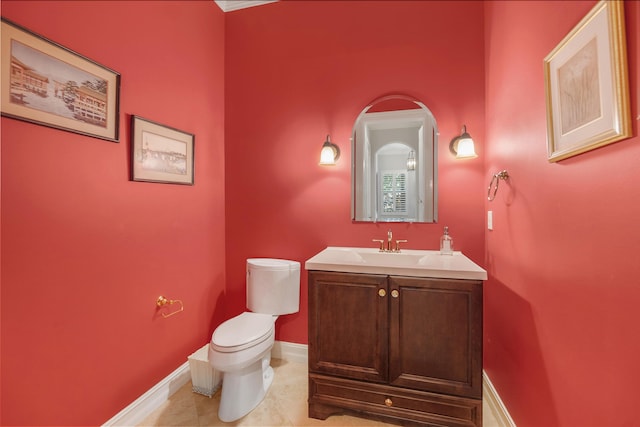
x: 408, y: 262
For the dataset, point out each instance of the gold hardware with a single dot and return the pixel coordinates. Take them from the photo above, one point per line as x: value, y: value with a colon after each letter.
x: 398, y: 244
x: 496, y: 178
x: 382, y: 292
x: 387, y: 246
x: 163, y: 301
x: 395, y: 293
x: 381, y: 243
x: 388, y: 402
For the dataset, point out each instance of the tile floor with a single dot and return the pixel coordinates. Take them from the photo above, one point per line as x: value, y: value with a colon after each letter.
x: 284, y: 405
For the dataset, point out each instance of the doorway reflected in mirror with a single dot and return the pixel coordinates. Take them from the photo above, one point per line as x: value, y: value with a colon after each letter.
x: 394, y: 169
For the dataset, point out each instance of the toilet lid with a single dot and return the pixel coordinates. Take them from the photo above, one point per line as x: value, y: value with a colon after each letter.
x: 242, y: 330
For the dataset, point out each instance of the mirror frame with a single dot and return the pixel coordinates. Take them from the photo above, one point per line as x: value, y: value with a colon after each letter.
x: 434, y: 182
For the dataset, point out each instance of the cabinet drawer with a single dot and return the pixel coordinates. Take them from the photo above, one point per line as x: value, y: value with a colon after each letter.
x: 400, y: 404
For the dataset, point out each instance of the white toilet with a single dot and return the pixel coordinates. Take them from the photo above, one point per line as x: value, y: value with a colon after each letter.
x: 241, y: 347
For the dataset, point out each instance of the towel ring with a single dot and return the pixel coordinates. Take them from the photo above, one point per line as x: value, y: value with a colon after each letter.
x: 496, y: 178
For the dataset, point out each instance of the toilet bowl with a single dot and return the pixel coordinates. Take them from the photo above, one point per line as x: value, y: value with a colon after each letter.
x: 240, y: 348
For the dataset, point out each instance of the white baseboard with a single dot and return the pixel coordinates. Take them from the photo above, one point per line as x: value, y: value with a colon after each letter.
x: 495, y: 403
x: 290, y: 351
x: 137, y: 411
x: 143, y: 406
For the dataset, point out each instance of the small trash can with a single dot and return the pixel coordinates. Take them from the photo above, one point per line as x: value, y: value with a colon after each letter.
x: 204, y: 379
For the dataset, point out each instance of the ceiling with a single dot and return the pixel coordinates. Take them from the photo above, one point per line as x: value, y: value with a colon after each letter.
x: 230, y: 5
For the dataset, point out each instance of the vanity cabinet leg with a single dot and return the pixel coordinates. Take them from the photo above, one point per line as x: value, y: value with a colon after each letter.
x: 320, y: 411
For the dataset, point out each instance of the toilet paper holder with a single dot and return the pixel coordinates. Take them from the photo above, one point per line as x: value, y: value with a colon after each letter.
x: 163, y: 301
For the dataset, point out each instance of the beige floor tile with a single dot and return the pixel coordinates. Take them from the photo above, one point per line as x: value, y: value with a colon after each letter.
x: 488, y: 418
x: 179, y: 410
x: 284, y: 406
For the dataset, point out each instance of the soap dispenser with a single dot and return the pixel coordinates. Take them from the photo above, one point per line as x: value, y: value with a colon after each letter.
x: 446, y: 243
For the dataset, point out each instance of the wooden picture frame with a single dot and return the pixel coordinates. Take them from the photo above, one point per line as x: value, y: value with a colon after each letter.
x: 586, y: 82
x: 160, y: 153
x: 45, y: 83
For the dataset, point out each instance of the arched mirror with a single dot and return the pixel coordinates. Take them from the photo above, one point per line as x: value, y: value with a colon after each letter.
x: 394, y: 155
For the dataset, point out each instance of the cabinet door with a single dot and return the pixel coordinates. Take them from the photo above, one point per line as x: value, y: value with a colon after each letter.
x: 436, y: 335
x: 348, y: 329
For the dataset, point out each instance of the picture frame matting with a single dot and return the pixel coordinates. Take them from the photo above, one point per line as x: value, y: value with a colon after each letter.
x: 161, y: 153
x: 45, y: 83
x: 586, y: 84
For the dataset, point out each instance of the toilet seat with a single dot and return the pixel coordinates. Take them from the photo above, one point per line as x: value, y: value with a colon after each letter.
x: 243, y: 331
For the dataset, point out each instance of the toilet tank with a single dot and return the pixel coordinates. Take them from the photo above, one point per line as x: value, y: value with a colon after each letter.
x: 273, y: 286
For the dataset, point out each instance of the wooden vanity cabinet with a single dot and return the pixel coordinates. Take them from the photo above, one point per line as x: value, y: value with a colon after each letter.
x: 349, y: 323
x: 404, y: 349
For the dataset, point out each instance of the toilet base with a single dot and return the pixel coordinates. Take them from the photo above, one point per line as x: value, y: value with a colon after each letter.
x: 243, y: 390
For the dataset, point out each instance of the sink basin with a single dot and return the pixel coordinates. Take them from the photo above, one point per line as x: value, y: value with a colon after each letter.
x: 408, y: 262
x: 392, y: 259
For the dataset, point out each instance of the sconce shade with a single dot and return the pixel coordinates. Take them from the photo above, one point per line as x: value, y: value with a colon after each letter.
x: 330, y: 153
x: 462, y: 146
x: 466, y: 148
x: 411, y: 161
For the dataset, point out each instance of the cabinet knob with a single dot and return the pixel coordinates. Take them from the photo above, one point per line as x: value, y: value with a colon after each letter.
x: 388, y: 402
x: 382, y: 292
x: 395, y: 293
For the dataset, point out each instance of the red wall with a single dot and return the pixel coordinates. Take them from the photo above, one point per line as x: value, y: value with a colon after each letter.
x: 561, y: 302
x: 85, y: 251
x: 297, y: 71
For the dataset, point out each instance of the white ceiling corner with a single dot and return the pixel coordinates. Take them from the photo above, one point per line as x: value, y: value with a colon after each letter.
x: 229, y: 5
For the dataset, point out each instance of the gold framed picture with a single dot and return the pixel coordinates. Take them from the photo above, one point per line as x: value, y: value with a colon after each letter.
x: 586, y: 82
x: 45, y: 83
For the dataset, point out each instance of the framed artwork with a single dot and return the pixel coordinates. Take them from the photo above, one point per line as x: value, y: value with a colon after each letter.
x: 161, y: 153
x: 586, y: 82
x: 45, y: 83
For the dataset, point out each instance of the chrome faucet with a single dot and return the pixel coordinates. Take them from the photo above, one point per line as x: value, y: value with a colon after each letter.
x: 389, y: 246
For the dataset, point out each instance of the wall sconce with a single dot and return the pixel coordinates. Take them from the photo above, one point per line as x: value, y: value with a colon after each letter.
x: 330, y: 153
x: 411, y: 161
x: 462, y: 146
